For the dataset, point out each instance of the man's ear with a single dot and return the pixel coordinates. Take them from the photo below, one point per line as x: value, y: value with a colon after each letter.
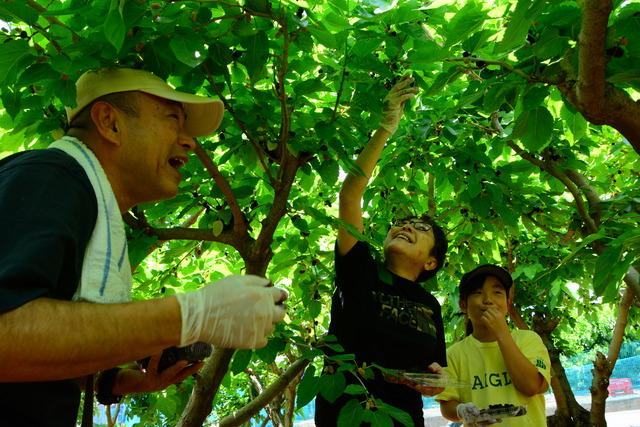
x: 106, y: 119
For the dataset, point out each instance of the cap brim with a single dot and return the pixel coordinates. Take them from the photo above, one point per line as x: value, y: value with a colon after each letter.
x: 487, y: 270
x: 203, y: 115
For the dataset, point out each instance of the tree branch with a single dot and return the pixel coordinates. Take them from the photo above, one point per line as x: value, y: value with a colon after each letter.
x: 47, y: 36
x: 632, y: 279
x: 505, y: 65
x: 552, y: 169
x: 182, y: 233
x: 277, y: 387
x: 285, y: 114
x: 241, y: 125
x: 600, y: 102
x: 51, y: 19
x: 239, y: 221
x: 278, y: 209
x: 593, y: 198
x: 545, y: 228
x: 621, y: 324
x: 590, y: 89
x: 342, y: 79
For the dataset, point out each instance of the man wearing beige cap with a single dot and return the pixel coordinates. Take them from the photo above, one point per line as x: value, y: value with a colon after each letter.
x: 65, y: 279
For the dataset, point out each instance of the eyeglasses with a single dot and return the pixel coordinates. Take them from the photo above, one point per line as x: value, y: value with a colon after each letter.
x: 420, y: 226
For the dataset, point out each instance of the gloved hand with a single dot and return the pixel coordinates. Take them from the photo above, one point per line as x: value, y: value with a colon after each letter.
x: 394, y: 103
x: 234, y: 312
x: 469, y: 413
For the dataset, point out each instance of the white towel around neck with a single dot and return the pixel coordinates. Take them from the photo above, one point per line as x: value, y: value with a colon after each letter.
x: 106, y: 272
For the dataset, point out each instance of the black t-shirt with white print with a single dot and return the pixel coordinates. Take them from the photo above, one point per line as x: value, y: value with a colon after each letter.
x: 390, y: 321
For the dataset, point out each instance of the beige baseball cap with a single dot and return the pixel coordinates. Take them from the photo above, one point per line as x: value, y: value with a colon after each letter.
x: 203, y: 115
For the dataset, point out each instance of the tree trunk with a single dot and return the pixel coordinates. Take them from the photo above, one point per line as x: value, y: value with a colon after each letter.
x: 599, y: 393
x: 569, y: 412
x: 201, y: 400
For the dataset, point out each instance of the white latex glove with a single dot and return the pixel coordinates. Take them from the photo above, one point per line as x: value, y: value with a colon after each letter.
x: 394, y: 103
x: 469, y: 413
x: 234, y: 312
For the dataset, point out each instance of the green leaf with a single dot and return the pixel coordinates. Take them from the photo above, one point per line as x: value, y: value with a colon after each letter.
x: 480, y: 205
x: 314, y: 308
x: 465, y: 22
x: 217, y: 227
x: 477, y: 40
x: 189, y: 49
x: 625, y: 76
x: 534, y: 128
x: 114, y: 29
x: 355, y: 389
x: 365, y: 44
x: 11, y: 102
x: 332, y: 386
x: 340, y: 357
x: 37, y: 74
x: 499, y: 94
x: 256, y: 55
x: 323, y: 36
x: 426, y: 53
x: 474, y: 187
x: 262, y: 6
x: 335, y: 22
x: 139, y: 248
x: 11, y: 53
x: 300, y: 223
x: 351, y: 414
x: 241, y: 360
x: 520, y: 20
x: 308, y: 387
x: 378, y: 418
x: 628, y: 238
x: 550, y: 44
x: 166, y: 405
x: 268, y: 354
x: 308, y: 86
x: 396, y: 413
x: 329, y: 171
x: 220, y: 53
x: 574, y: 253
x: 576, y: 122
x: 444, y: 78
x: 534, y: 97
x: 610, y: 269
x: 19, y: 9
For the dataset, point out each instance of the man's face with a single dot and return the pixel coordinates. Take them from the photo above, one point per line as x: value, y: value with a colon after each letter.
x: 490, y: 294
x: 154, y: 148
x: 410, y: 238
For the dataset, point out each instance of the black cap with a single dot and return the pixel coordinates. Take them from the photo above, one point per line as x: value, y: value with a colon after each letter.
x: 470, y: 278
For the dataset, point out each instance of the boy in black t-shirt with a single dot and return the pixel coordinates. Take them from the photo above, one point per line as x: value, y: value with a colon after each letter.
x: 380, y: 313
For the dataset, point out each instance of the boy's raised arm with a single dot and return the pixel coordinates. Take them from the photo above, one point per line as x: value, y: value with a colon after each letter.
x: 350, y: 198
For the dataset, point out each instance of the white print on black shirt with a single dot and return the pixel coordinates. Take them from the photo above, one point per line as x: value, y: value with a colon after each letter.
x: 405, y: 312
